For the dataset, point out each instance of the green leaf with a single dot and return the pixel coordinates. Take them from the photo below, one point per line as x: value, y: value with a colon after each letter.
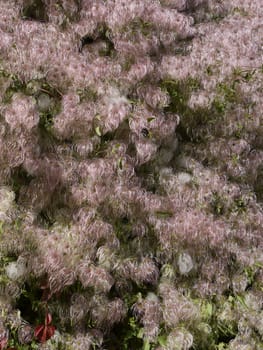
x: 209, y: 310
x: 230, y: 299
x: 132, y: 323
x: 140, y: 333
x: 120, y: 166
x: 150, y: 119
x: 221, y: 346
x: 98, y: 132
x: 241, y: 301
x: 162, y: 340
x: 163, y: 214
x: 146, y: 345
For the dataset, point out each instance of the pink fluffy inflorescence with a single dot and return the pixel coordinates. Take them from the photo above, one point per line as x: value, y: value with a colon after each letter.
x: 131, y: 170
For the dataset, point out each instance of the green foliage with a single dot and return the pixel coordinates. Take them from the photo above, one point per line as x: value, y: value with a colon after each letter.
x: 239, y: 205
x: 207, y: 310
x: 258, y: 185
x: 134, y: 331
x: 209, y: 70
x: 34, y: 10
x: 219, y: 207
x: 217, y: 204
x: 217, y: 17
x: 226, y: 97
x: 13, y: 342
x: 1, y: 227
x: 122, y: 228
x: 87, y: 94
x: 221, y: 346
x: 241, y: 11
x: 129, y: 242
x: 129, y: 335
x: 180, y: 92
x: 16, y: 85
x: 139, y: 25
x: 191, y: 120
x: 240, y: 74
x: 29, y: 302
x: 3, y: 278
x: 103, y: 34
x: 251, y: 273
x: 132, y: 336
x: 97, y: 130
x: 46, y: 121
x: 218, y: 323
x: 163, y: 214
x: 199, y: 124
x: 35, y: 88
x: 46, y: 116
x: 226, y: 92
x: 19, y: 179
x: 126, y: 65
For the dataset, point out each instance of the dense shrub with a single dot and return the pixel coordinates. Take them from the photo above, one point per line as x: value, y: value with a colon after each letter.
x: 131, y: 159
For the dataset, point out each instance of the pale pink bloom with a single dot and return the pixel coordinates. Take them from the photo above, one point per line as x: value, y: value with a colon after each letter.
x: 153, y: 96
x: 21, y: 113
x: 176, y: 307
x: 106, y: 312
x: 97, y: 10
x: 180, y: 5
x: 144, y: 272
x: 146, y: 151
x: 122, y: 12
x: 148, y: 311
x: 169, y: 19
x: 92, y: 276
x: 81, y: 341
x: 60, y: 279
x: 140, y: 70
